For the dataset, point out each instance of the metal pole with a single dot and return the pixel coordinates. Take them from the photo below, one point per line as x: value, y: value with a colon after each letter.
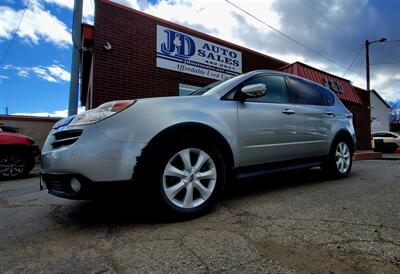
x: 367, y: 63
x: 76, y: 46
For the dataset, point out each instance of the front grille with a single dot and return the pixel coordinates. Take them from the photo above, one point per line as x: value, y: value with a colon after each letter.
x: 66, y: 138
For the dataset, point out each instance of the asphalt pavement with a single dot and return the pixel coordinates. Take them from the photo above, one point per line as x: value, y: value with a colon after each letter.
x: 298, y: 222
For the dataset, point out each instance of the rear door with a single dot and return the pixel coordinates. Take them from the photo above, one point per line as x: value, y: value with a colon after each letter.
x: 266, y: 125
x: 314, y: 115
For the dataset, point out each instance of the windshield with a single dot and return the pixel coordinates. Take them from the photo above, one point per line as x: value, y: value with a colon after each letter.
x: 203, y: 90
x: 216, y: 86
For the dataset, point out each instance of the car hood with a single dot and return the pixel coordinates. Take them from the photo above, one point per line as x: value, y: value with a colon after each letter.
x: 9, y: 137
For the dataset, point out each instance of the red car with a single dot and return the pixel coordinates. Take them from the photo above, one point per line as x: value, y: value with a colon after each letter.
x: 17, y: 155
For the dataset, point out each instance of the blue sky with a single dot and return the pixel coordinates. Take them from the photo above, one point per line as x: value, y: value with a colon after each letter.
x: 34, y: 78
x: 27, y: 85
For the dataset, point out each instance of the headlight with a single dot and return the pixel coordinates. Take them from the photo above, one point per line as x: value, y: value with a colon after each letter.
x: 100, y: 113
x: 63, y: 122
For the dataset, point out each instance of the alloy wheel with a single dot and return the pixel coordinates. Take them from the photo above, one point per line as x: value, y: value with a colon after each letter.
x: 342, y: 157
x: 189, y: 178
x: 11, y: 166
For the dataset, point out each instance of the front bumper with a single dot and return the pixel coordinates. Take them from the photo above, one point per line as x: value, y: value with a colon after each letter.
x: 93, y: 155
x: 59, y: 184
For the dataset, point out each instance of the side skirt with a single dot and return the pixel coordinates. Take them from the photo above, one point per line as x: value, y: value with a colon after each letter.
x: 246, y: 172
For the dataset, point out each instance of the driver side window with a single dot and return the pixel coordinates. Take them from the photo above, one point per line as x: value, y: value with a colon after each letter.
x: 276, y: 89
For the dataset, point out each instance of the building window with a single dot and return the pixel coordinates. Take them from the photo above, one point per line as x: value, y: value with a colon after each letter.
x: 185, y: 90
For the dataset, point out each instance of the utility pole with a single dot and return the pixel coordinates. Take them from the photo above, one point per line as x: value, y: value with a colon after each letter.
x: 367, y: 63
x: 76, y: 47
x: 367, y: 43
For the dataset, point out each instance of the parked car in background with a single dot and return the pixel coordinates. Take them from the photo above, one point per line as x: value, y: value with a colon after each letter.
x: 385, y: 141
x: 17, y: 155
x: 6, y: 128
x: 182, y: 150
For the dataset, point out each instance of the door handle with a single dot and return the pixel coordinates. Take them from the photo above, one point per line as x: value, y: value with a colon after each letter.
x: 330, y: 113
x: 288, y: 111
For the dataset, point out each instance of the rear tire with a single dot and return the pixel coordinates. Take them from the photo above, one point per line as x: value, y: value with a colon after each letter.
x: 183, y: 177
x: 14, y: 165
x: 340, y: 159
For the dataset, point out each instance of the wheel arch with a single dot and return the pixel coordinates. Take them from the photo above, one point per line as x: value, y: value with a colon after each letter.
x: 344, y: 134
x: 201, y: 130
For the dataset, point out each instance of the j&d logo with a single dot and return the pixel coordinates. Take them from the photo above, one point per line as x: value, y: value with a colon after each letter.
x: 190, y: 54
x: 178, y: 44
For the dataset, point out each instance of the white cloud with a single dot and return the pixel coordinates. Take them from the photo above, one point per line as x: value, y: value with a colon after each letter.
x: 56, y: 113
x: 87, y: 11
x: 38, y: 24
x: 129, y: 3
x: 63, y: 3
x: 3, y: 77
x: 59, y: 72
x: 23, y: 73
x: 44, y: 74
x: 54, y: 73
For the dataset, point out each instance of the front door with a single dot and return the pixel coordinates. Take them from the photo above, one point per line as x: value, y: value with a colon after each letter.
x: 266, y: 125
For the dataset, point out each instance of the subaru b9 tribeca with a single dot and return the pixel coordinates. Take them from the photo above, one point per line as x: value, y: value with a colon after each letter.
x: 182, y: 150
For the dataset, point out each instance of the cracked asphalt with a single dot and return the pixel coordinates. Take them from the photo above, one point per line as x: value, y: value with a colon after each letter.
x: 298, y: 222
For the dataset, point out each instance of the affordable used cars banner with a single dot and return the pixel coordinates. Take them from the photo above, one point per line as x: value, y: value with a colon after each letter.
x: 188, y: 54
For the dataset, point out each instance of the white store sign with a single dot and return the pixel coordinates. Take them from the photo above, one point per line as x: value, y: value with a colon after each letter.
x: 188, y: 54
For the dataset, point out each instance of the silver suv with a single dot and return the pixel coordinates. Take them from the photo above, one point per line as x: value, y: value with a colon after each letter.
x: 183, y: 150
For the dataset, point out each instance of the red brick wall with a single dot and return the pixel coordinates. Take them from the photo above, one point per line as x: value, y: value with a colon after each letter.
x: 362, y: 119
x: 129, y: 69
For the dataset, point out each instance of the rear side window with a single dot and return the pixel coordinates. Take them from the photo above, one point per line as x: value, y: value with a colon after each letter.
x: 306, y: 93
x: 276, y: 89
x: 328, y: 96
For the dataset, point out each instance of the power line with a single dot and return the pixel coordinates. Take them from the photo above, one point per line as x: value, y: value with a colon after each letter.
x: 352, y: 62
x: 332, y: 23
x: 14, y: 35
x: 340, y: 29
x: 287, y: 36
x: 392, y: 41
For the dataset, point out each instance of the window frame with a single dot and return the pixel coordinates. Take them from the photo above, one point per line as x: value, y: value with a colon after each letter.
x: 241, y: 85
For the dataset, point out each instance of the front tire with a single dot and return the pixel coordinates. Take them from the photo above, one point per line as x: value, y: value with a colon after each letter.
x: 187, y: 176
x: 339, y: 162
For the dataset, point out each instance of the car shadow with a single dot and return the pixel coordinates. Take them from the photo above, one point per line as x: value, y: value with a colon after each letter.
x: 131, y: 208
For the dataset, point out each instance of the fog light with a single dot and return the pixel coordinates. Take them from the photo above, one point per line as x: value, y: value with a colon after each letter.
x: 75, y: 185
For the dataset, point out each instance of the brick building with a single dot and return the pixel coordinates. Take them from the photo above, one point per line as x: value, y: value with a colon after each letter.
x: 124, y: 58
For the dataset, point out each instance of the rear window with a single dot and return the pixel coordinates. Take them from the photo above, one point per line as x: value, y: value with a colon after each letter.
x: 306, y: 93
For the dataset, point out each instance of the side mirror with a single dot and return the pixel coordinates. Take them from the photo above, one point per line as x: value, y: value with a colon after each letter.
x: 254, y: 91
